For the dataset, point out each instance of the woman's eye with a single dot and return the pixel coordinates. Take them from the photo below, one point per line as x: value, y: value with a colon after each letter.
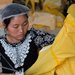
x: 25, y: 23
x: 16, y: 26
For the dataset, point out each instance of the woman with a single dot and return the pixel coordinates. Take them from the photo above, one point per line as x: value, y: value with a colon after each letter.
x: 18, y: 48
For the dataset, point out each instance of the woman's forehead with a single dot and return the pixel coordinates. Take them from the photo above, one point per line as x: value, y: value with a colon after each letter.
x: 19, y: 19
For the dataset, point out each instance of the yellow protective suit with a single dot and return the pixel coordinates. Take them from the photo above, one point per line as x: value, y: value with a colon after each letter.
x: 60, y: 56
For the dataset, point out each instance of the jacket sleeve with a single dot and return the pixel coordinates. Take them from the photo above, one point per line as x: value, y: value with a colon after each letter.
x: 42, y: 38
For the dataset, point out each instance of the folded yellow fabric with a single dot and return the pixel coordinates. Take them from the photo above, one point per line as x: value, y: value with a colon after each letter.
x: 44, y: 64
x: 60, y: 57
x: 71, y: 10
x: 67, y: 68
x: 54, y: 7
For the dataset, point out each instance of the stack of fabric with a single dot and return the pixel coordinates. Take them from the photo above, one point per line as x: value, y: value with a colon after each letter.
x: 43, y: 20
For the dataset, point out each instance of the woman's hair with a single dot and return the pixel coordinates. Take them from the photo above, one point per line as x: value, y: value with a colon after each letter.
x: 7, y: 21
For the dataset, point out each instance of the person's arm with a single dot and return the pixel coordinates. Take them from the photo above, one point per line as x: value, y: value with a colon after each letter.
x: 42, y: 38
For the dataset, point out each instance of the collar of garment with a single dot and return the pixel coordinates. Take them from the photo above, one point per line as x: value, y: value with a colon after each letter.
x: 19, y: 52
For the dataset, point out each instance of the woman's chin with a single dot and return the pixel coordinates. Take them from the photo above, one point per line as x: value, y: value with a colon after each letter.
x: 20, y: 38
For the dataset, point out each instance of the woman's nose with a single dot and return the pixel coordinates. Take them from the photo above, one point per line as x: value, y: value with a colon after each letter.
x: 21, y: 29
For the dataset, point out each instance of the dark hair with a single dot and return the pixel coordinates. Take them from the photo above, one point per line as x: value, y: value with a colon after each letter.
x: 7, y: 21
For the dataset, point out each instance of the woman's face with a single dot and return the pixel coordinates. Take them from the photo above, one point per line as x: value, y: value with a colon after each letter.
x: 17, y: 28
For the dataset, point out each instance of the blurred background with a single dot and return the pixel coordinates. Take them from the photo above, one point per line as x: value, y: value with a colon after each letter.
x: 47, y: 15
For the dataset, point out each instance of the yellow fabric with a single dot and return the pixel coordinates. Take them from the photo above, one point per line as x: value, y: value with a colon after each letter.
x: 43, y: 20
x: 67, y: 68
x: 51, y: 7
x: 44, y: 64
x: 60, y: 57
x: 71, y: 10
x: 53, y: 3
x: 32, y: 3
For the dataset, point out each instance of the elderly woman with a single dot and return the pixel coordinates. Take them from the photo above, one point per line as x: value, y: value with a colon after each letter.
x: 18, y: 48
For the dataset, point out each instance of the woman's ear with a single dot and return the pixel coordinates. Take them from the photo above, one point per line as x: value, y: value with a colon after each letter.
x: 2, y: 31
x: 2, y: 25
